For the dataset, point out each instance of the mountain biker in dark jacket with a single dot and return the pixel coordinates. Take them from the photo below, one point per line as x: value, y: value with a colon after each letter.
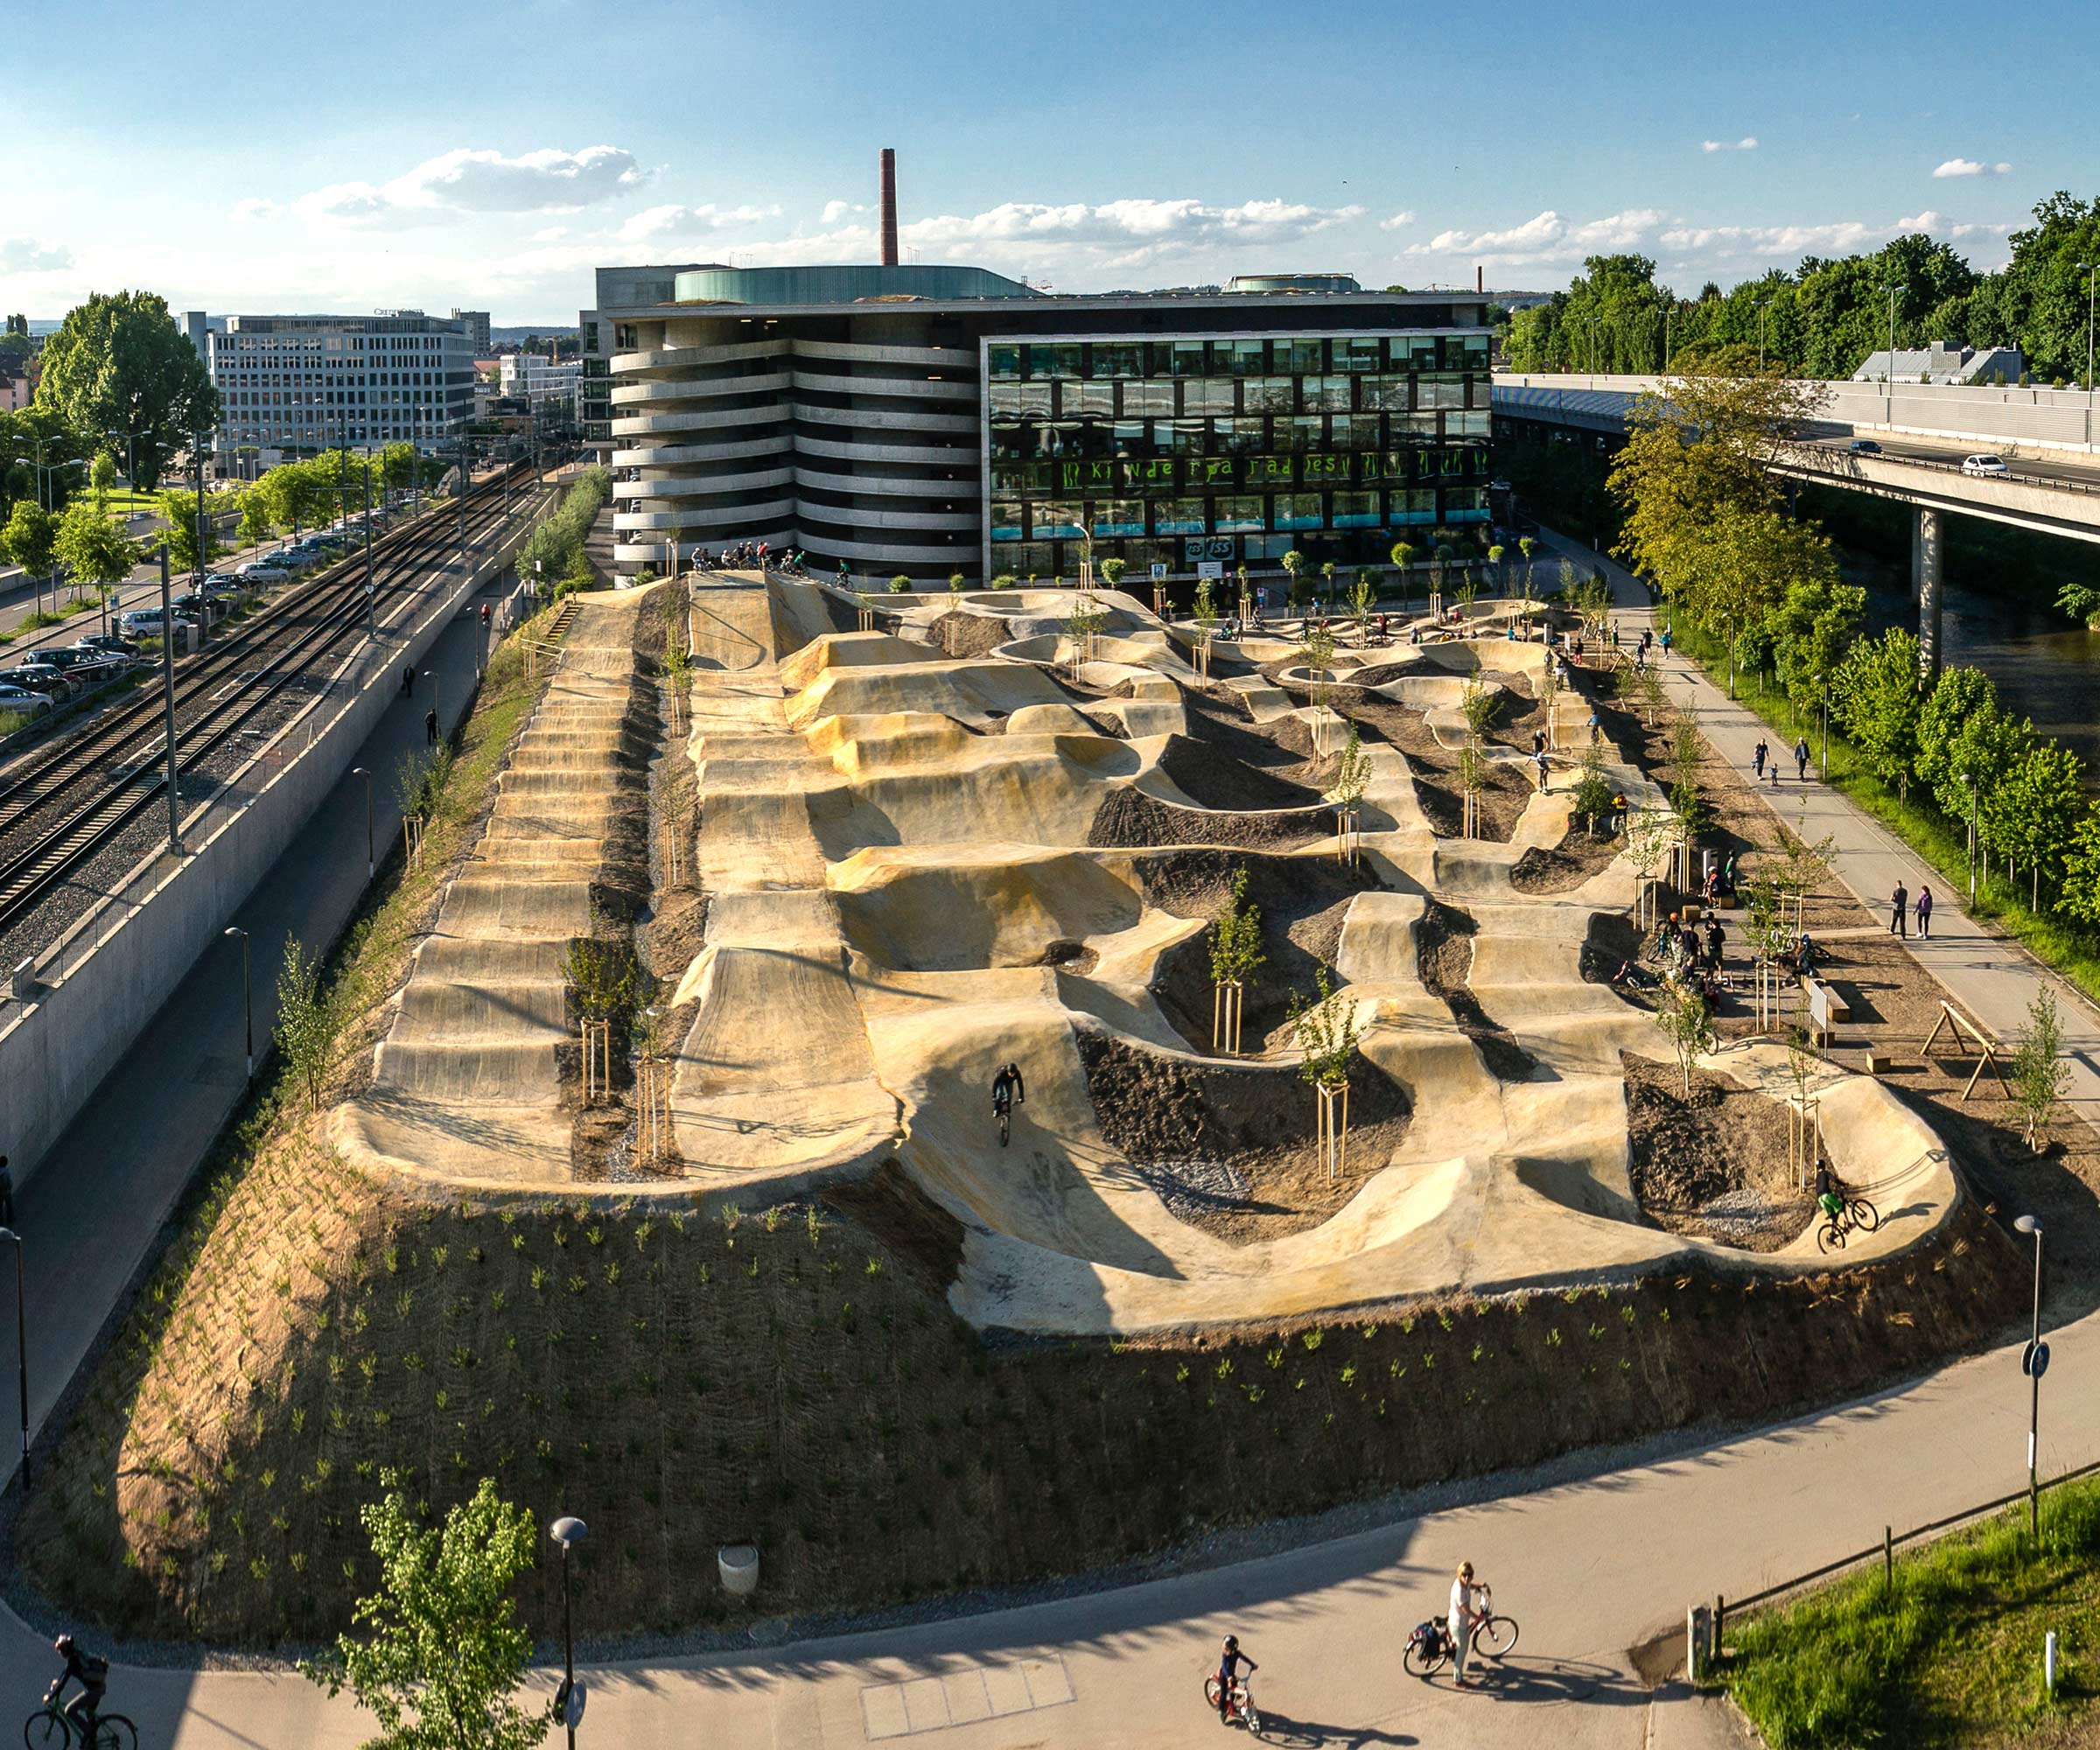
x: 1006, y: 1088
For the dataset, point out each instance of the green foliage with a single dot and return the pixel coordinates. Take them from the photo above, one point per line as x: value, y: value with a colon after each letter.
x: 1353, y: 772
x: 2039, y: 1074
x: 955, y: 582
x: 179, y: 510
x: 256, y: 524
x: 1294, y: 568
x: 29, y: 537
x: 1112, y: 572
x: 1326, y: 1031
x: 1207, y: 606
x: 1235, y: 937
x: 119, y: 365
x: 1592, y: 793
x: 1687, y: 1023
x: 607, y: 982
x: 556, y: 547
x: 1813, y: 629
x: 1960, y: 698
x: 1875, y: 698
x: 1005, y: 580
x: 311, y: 1021
x: 899, y: 585
x: 441, y: 1657
x: 90, y: 546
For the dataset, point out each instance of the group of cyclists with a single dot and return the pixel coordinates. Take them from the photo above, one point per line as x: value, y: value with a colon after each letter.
x: 745, y: 554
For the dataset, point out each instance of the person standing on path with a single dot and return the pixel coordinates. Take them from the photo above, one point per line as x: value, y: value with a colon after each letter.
x: 1924, y: 911
x: 1464, y: 1618
x: 1899, y: 903
x: 1801, y: 759
x: 1539, y: 759
x: 1758, y: 756
x: 430, y: 726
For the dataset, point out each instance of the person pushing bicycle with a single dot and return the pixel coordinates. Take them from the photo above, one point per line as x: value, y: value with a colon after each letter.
x: 91, y: 1674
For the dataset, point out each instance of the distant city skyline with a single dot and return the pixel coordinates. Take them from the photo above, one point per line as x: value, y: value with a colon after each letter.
x: 433, y: 160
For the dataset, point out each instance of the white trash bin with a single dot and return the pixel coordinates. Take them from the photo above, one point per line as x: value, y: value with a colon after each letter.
x: 738, y: 1563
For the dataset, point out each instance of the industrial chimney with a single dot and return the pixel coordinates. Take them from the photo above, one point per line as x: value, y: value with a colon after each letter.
x: 889, y: 207
x: 1479, y: 279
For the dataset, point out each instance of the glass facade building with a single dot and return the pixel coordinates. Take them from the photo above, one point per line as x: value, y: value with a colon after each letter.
x: 914, y: 427
x: 1238, y: 448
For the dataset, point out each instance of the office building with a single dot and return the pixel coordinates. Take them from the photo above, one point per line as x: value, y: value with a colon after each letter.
x: 293, y: 385
x: 534, y: 379
x: 474, y: 324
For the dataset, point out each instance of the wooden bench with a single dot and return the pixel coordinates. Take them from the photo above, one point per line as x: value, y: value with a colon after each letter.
x: 1835, y: 1006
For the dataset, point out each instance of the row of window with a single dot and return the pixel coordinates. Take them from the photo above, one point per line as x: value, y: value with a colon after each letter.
x: 1159, y: 474
x: 1235, y: 514
x: 1036, y: 440
x: 1182, y: 553
x: 1295, y: 355
x: 1165, y: 397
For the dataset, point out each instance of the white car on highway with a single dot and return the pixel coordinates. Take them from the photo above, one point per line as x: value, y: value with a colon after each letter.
x: 1985, y: 465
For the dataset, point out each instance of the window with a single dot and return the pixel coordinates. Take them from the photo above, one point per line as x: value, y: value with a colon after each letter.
x: 1357, y: 353
x: 1270, y: 394
x: 1416, y: 505
x: 1442, y: 389
x: 1148, y: 399
x: 1356, y: 510
x: 1414, y: 352
x: 1085, y: 397
x: 1324, y: 470
x: 1358, y: 431
x: 1006, y: 520
x: 1267, y: 471
x: 1478, y: 423
x: 1179, y: 517
x: 1413, y: 428
x: 1020, y: 477
x: 1150, y: 474
x: 1327, y: 395
x: 1053, y: 361
x: 1206, y: 395
x: 1113, y: 360
x: 1240, y: 358
x: 1186, y: 358
x: 1301, y: 358
x: 1185, y: 436
x: 1391, y: 394
x: 1238, y: 515
x: 1298, y: 510
x: 1241, y: 436
x: 1298, y: 435
x: 1465, y: 504
x: 1118, y: 516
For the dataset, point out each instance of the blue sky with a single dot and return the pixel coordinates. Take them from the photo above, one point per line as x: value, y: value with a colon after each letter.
x: 490, y: 156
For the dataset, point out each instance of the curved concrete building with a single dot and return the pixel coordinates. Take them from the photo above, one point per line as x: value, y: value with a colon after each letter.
x: 929, y: 419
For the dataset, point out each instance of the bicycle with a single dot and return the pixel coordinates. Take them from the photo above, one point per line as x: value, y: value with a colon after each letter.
x: 1004, y: 1114
x: 48, y: 1729
x: 1857, y: 1215
x: 1241, y: 1704
x: 1429, y: 1648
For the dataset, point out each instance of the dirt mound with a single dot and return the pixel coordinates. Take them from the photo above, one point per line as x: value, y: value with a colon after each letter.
x: 896, y: 1214
x: 1505, y: 788
x: 1230, y: 1150
x: 1443, y: 956
x: 1567, y: 865
x: 1302, y: 904
x: 1714, y: 1164
x: 962, y: 633
x: 1130, y: 820
x: 1210, y: 776
x: 1282, y: 748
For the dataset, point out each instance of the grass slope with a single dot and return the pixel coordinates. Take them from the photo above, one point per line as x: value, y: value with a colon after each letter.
x: 1954, y: 1656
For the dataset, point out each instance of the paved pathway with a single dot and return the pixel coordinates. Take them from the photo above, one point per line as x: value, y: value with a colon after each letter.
x: 1591, y: 1567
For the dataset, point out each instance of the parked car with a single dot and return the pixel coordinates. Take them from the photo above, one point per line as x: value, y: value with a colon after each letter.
x: 60, y: 658
x: 21, y: 701
x: 41, y: 678
x: 1985, y: 465
x: 1864, y: 447
x: 108, y: 642
x: 141, y: 623
x: 259, y: 572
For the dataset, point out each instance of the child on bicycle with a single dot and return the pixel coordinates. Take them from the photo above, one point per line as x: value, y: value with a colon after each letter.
x: 1828, y: 1198
x: 1228, y: 1674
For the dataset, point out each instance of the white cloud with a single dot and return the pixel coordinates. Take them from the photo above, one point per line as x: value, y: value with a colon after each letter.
x: 1927, y: 220
x: 1399, y: 221
x: 1549, y: 237
x: 19, y: 254
x: 468, y: 180
x: 253, y: 210
x: 1146, y: 222
x: 1972, y: 167
x: 835, y: 210
x: 551, y: 233
x: 1747, y: 144
x: 675, y: 221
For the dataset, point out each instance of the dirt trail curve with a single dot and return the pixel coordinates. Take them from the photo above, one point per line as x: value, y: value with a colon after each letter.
x: 466, y: 1085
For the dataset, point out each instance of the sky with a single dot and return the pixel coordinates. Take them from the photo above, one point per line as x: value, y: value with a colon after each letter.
x: 489, y: 157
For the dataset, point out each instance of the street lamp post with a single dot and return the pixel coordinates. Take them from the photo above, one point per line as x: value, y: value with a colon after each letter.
x: 247, y: 1004
x: 431, y: 675
x: 8, y: 1227
x: 371, y: 860
x: 2034, y: 1363
x: 567, y: 1531
x: 1824, y: 681
x: 1971, y: 788
x: 2089, y: 270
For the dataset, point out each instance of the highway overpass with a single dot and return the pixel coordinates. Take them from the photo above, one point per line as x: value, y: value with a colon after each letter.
x: 2052, y: 485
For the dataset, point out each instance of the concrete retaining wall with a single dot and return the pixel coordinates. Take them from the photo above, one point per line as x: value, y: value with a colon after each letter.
x: 56, y: 1049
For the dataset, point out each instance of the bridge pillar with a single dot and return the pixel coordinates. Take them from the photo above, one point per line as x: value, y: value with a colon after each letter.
x: 1928, y: 555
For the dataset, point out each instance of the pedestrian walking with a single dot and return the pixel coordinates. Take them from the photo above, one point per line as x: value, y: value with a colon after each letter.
x: 1899, y: 907
x: 1540, y: 759
x: 1538, y: 742
x: 1801, y: 759
x: 1665, y: 640
x: 1923, y: 908
x: 1758, y: 756
x: 430, y: 726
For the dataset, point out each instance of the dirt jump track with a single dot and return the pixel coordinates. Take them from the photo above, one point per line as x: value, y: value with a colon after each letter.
x: 919, y: 867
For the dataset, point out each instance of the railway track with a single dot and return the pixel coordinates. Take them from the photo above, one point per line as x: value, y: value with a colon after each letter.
x: 59, y: 808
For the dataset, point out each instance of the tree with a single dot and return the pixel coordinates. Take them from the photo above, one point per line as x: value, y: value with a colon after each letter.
x: 1593, y: 793
x: 1528, y: 548
x: 2039, y: 1074
x: 1362, y: 598
x: 1326, y: 1031
x: 310, y: 1021
x: 90, y: 546
x: 1813, y: 631
x: 955, y: 583
x: 899, y: 585
x: 444, y: 1654
x: 179, y: 510
x: 101, y: 473
x: 1959, y: 696
x: 2081, y: 896
x: 1351, y: 772
x: 1688, y: 1024
x: 1403, y: 556
x: 2039, y: 805
x: 1236, y: 955
x: 1294, y: 568
x: 30, y: 540
x: 1874, y: 696
x: 1496, y: 551
x: 1112, y: 571
x: 257, y: 526
x: 119, y: 364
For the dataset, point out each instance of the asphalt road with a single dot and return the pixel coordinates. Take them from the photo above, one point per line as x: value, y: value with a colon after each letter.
x: 2045, y: 468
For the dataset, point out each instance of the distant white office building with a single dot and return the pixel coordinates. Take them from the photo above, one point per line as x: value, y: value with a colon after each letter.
x: 1941, y: 363
x: 476, y: 324
x: 534, y: 378
x: 292, y: 385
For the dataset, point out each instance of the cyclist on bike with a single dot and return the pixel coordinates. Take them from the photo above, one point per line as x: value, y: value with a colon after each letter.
x: 91, y: 1674
x: 1828, y: 1198
x: 1006, y: 1088
x: 1228, y: 1674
